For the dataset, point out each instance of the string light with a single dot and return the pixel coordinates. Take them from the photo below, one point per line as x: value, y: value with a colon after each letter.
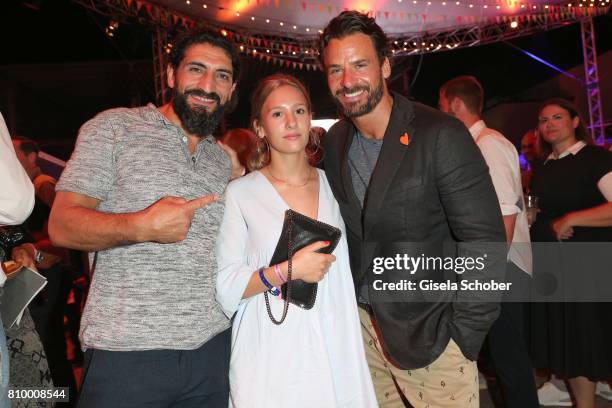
x: 286, y: 51
x: 111, y: 28
x: 188, y: 2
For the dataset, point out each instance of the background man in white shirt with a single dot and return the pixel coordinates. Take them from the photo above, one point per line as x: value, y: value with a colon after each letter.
x: 463, y: 98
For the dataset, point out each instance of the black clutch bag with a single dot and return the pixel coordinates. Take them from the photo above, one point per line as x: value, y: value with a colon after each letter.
x: 298, y: 232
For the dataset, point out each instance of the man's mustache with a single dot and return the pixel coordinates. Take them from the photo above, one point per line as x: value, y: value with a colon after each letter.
x: 203, y: 94
x: 345, y: 90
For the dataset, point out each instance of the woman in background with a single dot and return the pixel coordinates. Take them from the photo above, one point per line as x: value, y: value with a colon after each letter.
x: 574, y: 186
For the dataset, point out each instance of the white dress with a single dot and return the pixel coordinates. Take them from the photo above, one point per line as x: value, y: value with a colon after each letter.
x: 315, y: 359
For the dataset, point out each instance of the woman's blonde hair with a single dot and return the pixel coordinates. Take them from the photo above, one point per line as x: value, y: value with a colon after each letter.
x: 261, y: 154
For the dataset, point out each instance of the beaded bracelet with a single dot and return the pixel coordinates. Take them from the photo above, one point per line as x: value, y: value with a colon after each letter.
x: 267, y: 284
x: 279, y: 273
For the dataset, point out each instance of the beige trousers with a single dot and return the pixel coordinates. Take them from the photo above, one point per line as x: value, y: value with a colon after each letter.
x: 451, y: 381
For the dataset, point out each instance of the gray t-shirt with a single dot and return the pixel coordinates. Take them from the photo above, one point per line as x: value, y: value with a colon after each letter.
x: 149, y: 295
x: 362, y: 158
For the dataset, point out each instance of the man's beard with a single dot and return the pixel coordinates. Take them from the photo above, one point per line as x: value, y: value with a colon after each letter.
x: 354, y: 110
x: 197, y: 120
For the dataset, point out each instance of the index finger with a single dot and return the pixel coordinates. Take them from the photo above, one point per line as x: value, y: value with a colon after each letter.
x: 201, y: 201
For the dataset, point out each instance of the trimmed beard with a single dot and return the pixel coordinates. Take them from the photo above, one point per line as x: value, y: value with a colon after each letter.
x: 197, y: 121
x: 354, y: 111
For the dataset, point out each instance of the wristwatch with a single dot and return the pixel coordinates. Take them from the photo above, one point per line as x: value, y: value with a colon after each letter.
x: 38, y: 257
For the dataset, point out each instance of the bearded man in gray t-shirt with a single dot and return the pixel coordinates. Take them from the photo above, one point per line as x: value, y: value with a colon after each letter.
x: 141, y: 191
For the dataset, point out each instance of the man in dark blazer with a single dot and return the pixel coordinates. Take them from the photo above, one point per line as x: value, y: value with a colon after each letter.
x: 410, y: 183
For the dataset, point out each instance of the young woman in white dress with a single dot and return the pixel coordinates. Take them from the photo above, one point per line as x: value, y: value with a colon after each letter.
x: 315, y: 358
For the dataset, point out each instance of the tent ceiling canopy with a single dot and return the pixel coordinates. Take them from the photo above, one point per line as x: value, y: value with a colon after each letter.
x: 303, y: 18
x: 285, y: 32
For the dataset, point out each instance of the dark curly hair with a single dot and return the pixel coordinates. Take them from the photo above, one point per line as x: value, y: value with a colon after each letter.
x: 352, y: 22
x: 184, y: 41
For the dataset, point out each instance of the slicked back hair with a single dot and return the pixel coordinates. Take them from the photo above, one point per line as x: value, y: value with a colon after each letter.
x: 353, y: 22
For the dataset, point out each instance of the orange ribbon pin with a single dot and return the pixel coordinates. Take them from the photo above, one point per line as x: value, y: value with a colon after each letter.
x: 405, y: 139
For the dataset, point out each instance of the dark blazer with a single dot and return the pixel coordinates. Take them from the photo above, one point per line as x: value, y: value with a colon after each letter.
x: 431, y: 198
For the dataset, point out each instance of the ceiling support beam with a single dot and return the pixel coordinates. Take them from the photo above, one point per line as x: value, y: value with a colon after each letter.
x: 592, y: 80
